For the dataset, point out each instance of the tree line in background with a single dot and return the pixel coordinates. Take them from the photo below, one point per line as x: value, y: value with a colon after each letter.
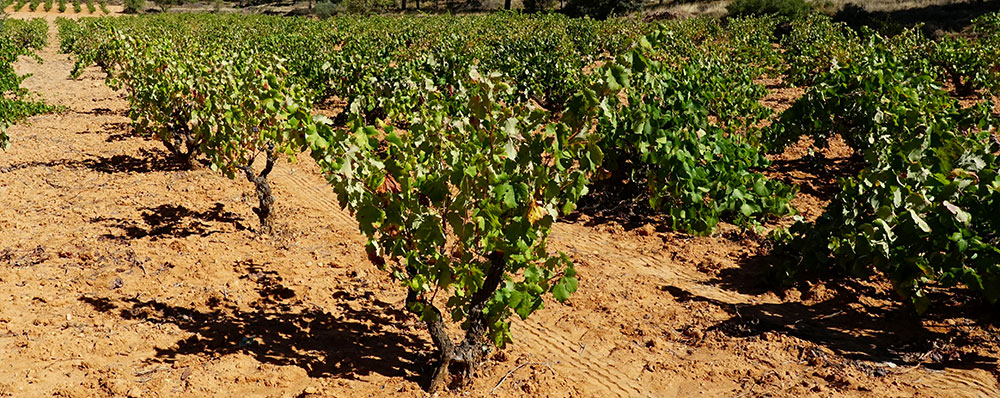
x: 599, y: 9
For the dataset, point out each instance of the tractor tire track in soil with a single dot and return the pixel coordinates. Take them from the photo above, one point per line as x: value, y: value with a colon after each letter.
x: 121, y: 274
x: 961, y: 384
x: 321, y: 196
x: 595, y: 376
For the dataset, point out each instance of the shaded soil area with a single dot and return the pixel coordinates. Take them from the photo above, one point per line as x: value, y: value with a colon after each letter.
x: 125, y: 275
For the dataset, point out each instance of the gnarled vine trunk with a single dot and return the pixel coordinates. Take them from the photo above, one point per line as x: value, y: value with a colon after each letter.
x: 184, y: 148
x: 264, y: 196
x: 962, y: 88
x: 461, y: 360
x: 183, y: 144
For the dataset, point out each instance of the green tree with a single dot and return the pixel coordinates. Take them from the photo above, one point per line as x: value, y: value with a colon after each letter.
x: 132, y: 6
x: 602, y: 9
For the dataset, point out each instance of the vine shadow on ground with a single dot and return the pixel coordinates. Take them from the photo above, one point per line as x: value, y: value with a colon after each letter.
x: 120, y: 131
x: 819, y: 174
x: 861, y: 319
x: 173, y: 221
x: 148, y: 161
x: 618, y: 201
x: 355, y: 337
x: 104, y: 112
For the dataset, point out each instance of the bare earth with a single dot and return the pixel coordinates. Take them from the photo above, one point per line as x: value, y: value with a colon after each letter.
x: 123, y: 275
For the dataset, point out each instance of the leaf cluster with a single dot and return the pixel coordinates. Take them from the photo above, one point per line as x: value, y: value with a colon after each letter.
x: 656, y: 128
x: 473, y: 176
x: 17, y: 38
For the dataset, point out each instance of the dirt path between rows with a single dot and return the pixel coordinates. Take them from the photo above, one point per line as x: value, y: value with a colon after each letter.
x: 121, y: 274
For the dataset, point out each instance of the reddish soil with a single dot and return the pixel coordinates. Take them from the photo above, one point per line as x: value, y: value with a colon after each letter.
x: 121, y: 274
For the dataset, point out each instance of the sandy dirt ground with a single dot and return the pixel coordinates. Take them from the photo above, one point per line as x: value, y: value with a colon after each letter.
x: 124, y: 275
